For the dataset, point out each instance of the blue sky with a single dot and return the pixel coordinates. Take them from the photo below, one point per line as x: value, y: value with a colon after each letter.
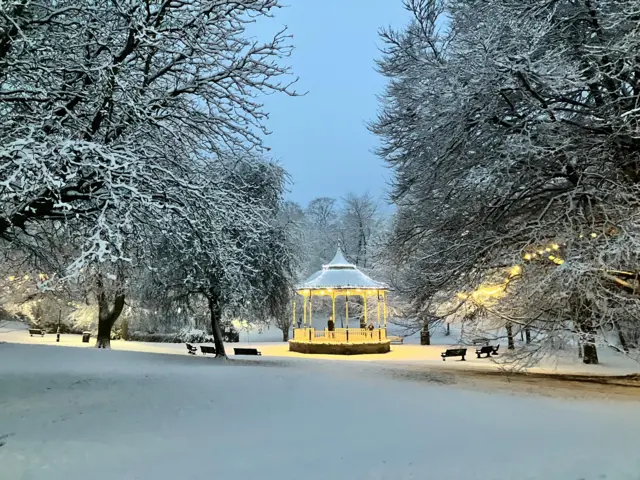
x: 321, y: 138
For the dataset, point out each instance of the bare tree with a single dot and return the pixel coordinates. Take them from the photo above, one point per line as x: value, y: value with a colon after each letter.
x: 110, y: 111
x: 510, y: 128
x: 360, y: 223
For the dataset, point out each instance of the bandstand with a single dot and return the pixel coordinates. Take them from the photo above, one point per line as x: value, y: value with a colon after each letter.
x: 341, y: 278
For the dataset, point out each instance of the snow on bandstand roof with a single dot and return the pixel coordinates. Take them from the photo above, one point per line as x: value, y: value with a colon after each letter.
x: 340, y: 274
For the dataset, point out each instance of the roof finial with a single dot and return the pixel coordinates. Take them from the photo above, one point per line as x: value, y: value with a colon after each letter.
x: 339, y: 259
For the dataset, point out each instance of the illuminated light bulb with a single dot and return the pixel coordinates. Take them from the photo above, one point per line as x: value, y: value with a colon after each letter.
x: 559, y: 261
x: 580, y: 236
x: 551, y: 257
x: 547, y: 249
x: 594, y: 235
x: 12, y: 278
x: 527, y: 256
x: 555, y: 246
x: 540, y: 252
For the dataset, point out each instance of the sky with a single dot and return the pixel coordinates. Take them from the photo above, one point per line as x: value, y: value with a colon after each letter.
x: 321, y: 139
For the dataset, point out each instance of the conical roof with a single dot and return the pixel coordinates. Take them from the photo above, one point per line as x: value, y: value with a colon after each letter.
x: 339, y: 260
x: 340, y: 274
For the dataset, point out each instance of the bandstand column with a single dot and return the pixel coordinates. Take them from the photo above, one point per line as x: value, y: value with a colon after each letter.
x: 294, y: 313
x: 378, y: 306
x: 346, y: 310
x: 384, y: 306
x: 304, y: 312
x: 365, y: 309
x: 333, y: 308
x: 310, y: 310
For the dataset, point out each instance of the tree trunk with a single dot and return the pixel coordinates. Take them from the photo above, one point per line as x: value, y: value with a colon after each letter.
x: 107, y: 316
x: 583, y: 313
x: 285, y: 334
x: 621, y: 338
x: 448, y: 332
x: 590, y: 355
x: 510, y: 342
x: 216, y: 317
x: 521, y: 335
x: 425, y: 335
x: 527, y: 333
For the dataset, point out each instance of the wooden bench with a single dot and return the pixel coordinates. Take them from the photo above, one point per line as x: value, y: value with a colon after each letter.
x: 480, y: 341
x: 487, y: 350
x: 246, y: 351
x: 454, y: 352
x: 36, y: 331
x: 207, y: 349
x: 395, y: 340
x: 191, y: 349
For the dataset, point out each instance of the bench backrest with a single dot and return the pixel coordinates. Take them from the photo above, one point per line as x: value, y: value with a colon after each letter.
x: 486, y: 349
x: 454, y: 352
x: 249, y: 351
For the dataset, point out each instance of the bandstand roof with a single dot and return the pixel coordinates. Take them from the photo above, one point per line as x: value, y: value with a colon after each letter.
x: 340, y: 274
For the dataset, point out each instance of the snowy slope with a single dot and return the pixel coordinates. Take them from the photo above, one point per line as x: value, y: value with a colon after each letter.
x: 75, y: 413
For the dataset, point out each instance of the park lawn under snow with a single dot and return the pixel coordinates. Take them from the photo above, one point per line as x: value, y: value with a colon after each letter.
x: 74, y: 413
x: 411, y: 353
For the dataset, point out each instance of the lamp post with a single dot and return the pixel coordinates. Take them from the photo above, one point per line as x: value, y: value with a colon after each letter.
x: 58, y: 329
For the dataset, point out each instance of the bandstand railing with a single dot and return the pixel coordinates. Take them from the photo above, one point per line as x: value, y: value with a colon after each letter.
x: 340, y: 335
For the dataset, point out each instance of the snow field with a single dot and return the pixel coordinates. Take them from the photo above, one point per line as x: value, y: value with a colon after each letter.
x: 73, y: 413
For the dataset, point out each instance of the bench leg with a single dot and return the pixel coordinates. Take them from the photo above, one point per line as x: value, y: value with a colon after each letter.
x: 443, y: 359
x: 463, y: 359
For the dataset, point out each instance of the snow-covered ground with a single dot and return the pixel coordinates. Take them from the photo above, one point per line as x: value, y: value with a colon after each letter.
x: 411, y: 353
x: 75, y: 413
